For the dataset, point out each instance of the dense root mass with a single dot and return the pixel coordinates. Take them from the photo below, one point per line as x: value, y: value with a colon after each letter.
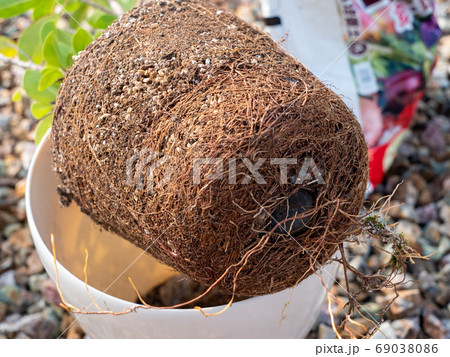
x: 176, y: 81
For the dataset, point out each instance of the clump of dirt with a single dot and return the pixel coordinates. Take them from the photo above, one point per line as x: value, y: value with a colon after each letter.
x: 174, y: 82
x: 180, y: 289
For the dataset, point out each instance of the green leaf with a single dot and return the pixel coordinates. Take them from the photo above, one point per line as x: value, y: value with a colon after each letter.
x: 46, y: 29
x: 78, y: 15
x: 100, y: 20
x: 17, y: 95
x: 74, y: 5
x: 97, y: 33
x: 56, y: 53
x: 44, y: 7
x: 7, y: 47
x: 64, y: 36
x: 42, y: 127
x: 49, y: 76
x: 10, y: 8
x: 69, y: 59
x: 50, y: 51
x: 39, y: 110
x: 30, y: 42
x: 81, y: 39
x: 31, y: 81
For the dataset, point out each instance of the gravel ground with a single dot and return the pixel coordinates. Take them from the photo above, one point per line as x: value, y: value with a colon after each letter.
x: 29, y: 301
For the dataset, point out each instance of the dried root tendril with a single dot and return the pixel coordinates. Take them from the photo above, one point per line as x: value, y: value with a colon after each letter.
x: 370, y: 227
x: 373, y: 227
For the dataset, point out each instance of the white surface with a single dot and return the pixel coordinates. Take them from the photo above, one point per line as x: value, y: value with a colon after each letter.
x: 315, y: 36
x: 259, y: 317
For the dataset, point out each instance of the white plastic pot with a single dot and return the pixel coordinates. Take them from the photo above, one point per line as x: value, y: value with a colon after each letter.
x: 110, y: 256
x: 313, y: 32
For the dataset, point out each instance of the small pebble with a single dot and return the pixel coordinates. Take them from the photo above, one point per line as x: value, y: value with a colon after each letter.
x: 9, y: 294
x: 34, y: 263
x: 407, y: 328
x: 10, y: 228
x: 433, y: 327
x: 326, y: 332
x: 408, y: 303
x: 36, y: 281
x: 3, y: 310
x: 7, y: 278
x: 20, y: 238
x: 410, y: 231
x: 427, y: 213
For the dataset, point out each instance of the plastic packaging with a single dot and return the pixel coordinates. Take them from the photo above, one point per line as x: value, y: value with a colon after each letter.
x: 378, y: 54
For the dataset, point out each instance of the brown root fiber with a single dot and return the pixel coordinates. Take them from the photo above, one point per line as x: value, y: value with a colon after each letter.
x: 175, y: 81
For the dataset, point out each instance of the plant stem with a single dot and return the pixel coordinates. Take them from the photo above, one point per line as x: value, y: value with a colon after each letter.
x: 99, y: 7
x: 14, y: 61
x: 116, y: 7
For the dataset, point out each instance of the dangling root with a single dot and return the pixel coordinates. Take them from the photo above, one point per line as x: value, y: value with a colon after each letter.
x: 86, y: 280
x: 369, y: 228
x: 69, y: 307
x: 241, y: 264
x: 372, y: 228
x: 63, y: 304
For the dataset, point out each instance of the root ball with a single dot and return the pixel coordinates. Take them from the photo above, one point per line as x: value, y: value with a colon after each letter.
x: 169, y: 130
